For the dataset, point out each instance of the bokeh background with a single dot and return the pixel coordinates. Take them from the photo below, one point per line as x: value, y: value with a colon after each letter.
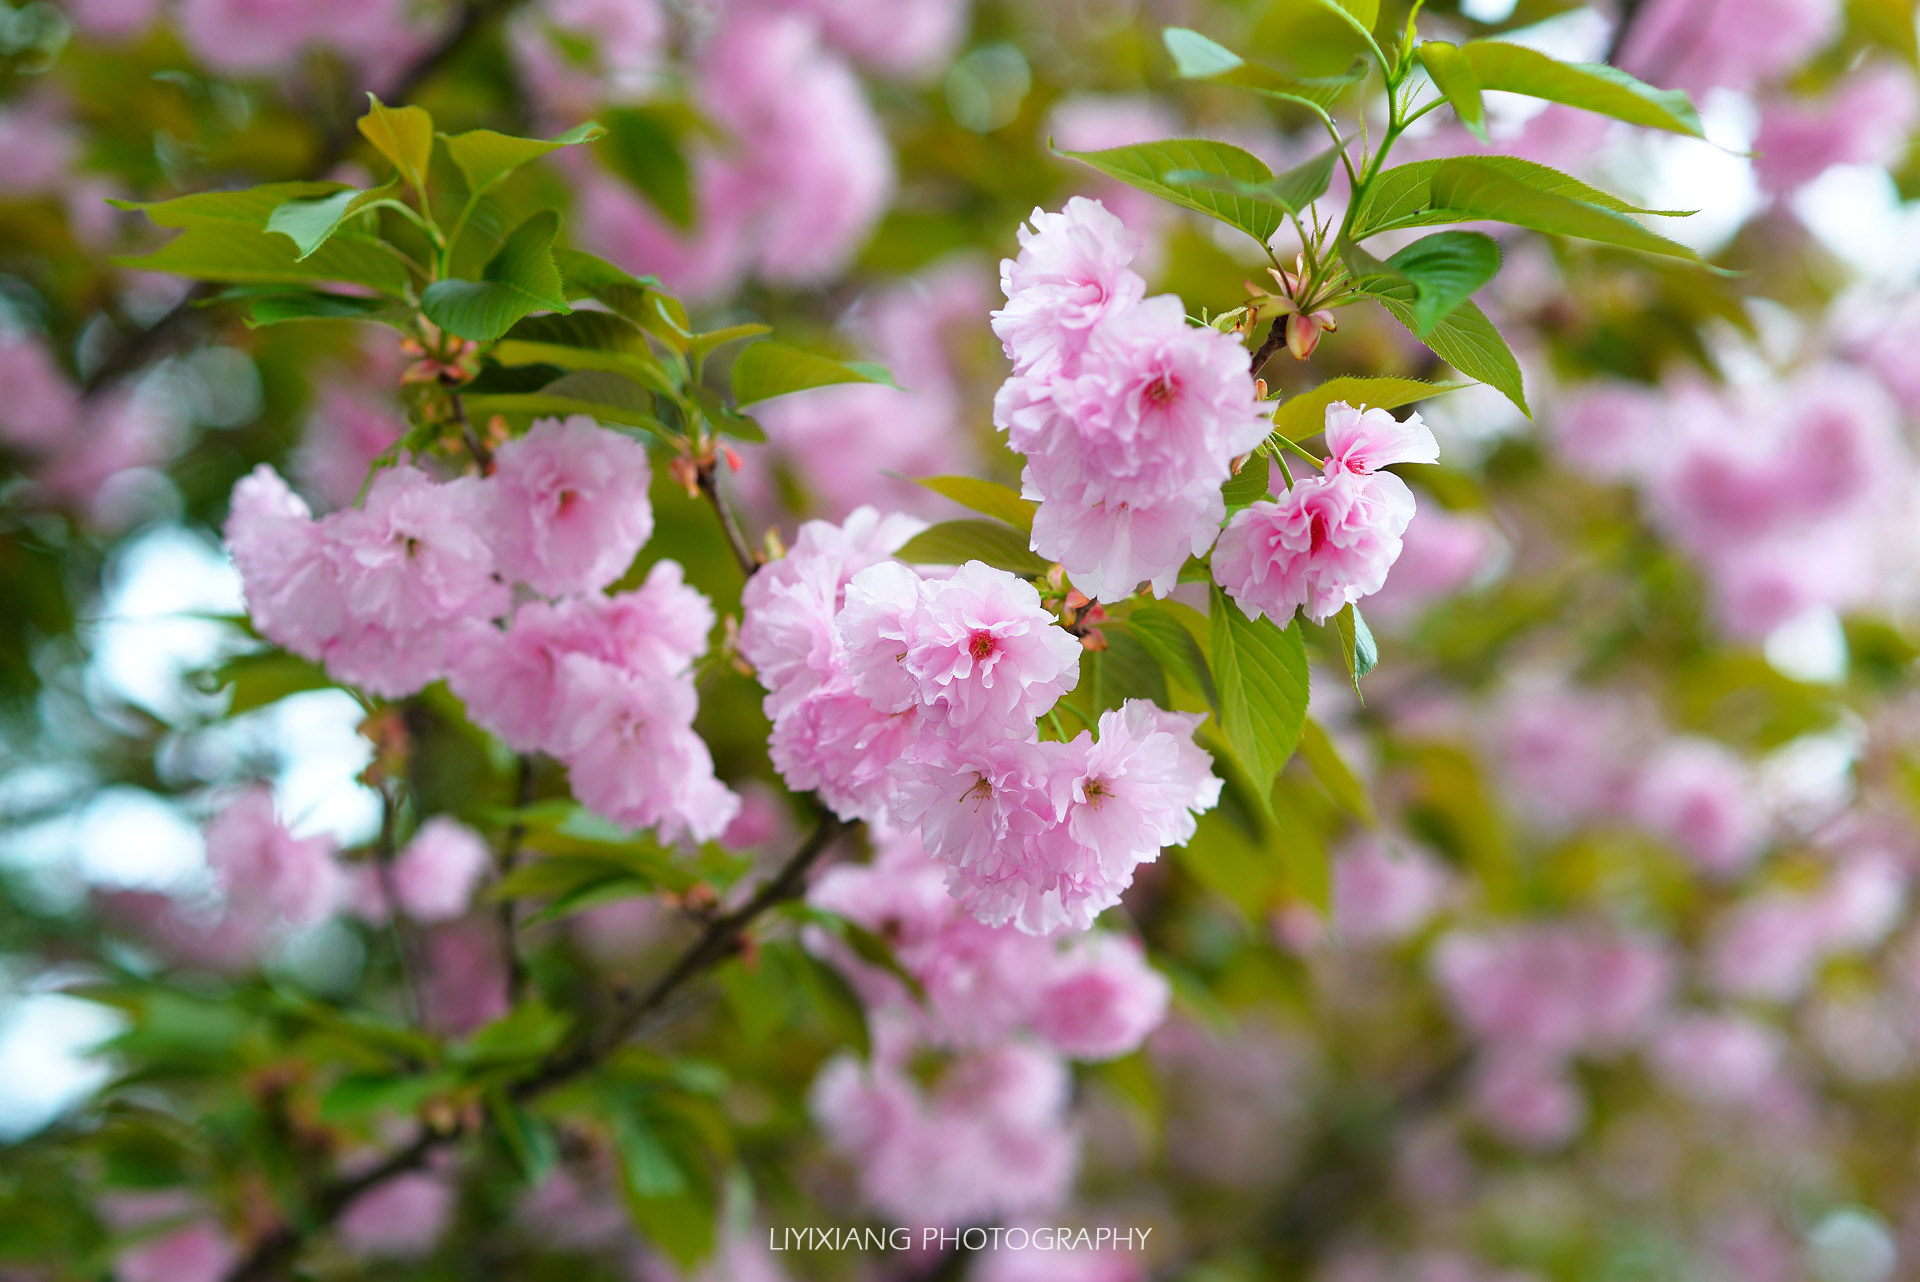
x: 1582, y: 950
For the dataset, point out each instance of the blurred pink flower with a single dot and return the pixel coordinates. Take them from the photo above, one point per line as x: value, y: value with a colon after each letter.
x: 466, y: 977
x: 1703, y: 798
x: 1440, y: 554
x: 345, y: 432
x: 198, y: 1250
x: 400, y: 1218
x: 1717, y: 1057
x: 1528, y: 1101
x: 1863, y: 121
x: 1698, y: 45
x: 265, y: 869
x: 1383, y: 894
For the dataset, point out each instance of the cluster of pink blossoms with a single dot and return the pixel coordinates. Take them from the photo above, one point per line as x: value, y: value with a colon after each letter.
x: 1330, y: 539
x: 1130, y: 418
x: 992, y: 1136
x: 913, y: 697
x: 415, y: 586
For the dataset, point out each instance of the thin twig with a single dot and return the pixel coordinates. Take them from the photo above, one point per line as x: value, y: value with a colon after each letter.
x: 1629, y: 10
x: 509, y: 853
x: 405, y: 942
x: 136, y: 349
x: 709, y: 483
x: 1275, y: 340
x: 482, y: 456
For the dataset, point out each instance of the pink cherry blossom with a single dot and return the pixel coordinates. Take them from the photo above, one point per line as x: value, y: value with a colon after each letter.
x: 1071, y: 273
x: 1703, y: 798
x: 1363, y: 441
x: 42, y: 406
x: 198, y: 1250
x: 1124, y: 796
x: 399, y: 1218
x: 1717, y: 1057
x: 569, y: 505
x: 1698, y: 45
x: 916, y: 40
x: 416, y: 554
x: 576, y: 54
x: 1327, y: 542
x: 1111, y: 547
x: 263, y: 868
x: 1528, y: 1101
x: 435, y: 875
x: 788, y: 607
x: 1864, y: 121
x: 1102, y: 999
x: 632, y: 754
x: 466, y: 976
x: 980, y: 805
x: 1554, y: 989
x: 990, y: 1138
x: 1440, y: 554
x: 1382, y: 894
x: 112, y: 19
x: 836, y: 743
x: 975, y: 650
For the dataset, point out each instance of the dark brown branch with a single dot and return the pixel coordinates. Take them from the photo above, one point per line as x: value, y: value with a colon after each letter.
x: 721, y: 939
x: 1275, y: 340
x: 1629, y: 9
x: 138, y: 348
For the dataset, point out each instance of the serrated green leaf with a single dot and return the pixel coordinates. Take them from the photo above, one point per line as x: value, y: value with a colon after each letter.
x: 957, y: 542
x: 1305, y: 415
x: 643, y: 149
x: 987, y: 497
x: 1145, y: 166
x: 310, y: 223
x: 705, y: 343
x: 1464, y: 338
x: 725, y: 418
x: 1167, y: 629
x: 312, y: 305
x: 1197, y: 58
x: 1291, y: 190
x: 766, y: 370
x: 1403, y: 196
x: 519, y: 279
x: 1453, y: 76
x: 404, y: 135
x: 1357, y: 645
x: 1590, y: 86
x: 1361, y: 15
x: 608, y: 397
x: 485, y: 157
x: 1472, y: 188
x: 224, y: 238
x: 1260, y: 669
x: 1445, y: 268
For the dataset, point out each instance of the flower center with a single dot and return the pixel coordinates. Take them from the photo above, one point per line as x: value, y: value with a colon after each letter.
x: 1316, y: 534
x: 981, y: 644
x: 1161, y: 391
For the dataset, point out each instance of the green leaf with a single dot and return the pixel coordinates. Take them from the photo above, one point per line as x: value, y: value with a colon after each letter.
x: 1261, y: 671
x: 1464, y: 338
x: 1126, y: 669
x: 1357, y: 645
x: 586, y: 340
x: 485, y: 157
x: 519, y: 279
x: 1334, y: 774
x: 590, y: 277
x: 310, y: 305
x: 224, y: 238
x: 1306, y: 414
x: 1471, y: 188
x: 1158, y: 626
x: 643, y: 149
x: 535, y: 1148
x: 1361, y: 15
x: 267, y: 677
x: 1252, y: 483
x: 1403, y: 196
x: 994, y: 500
x: 646, y: 1163
x: 527, y: 1033
x: 1453, y: 76
x: 404, y: 135
x: 1225, y: 859
x: 1146, y: 165
x: 767, y: 370
x: 957, y: 542
x: 310, y: 223
x: 362, y: 1095
x: 1887, y: 22
x: 608, y: 397
x: 863, y: 943
x: 725, y: 418
x: 1197, y: 58
x: 1590, y: 86
x: 1445, y: 268
x: 703, y: 344
x: 1292, y: 190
